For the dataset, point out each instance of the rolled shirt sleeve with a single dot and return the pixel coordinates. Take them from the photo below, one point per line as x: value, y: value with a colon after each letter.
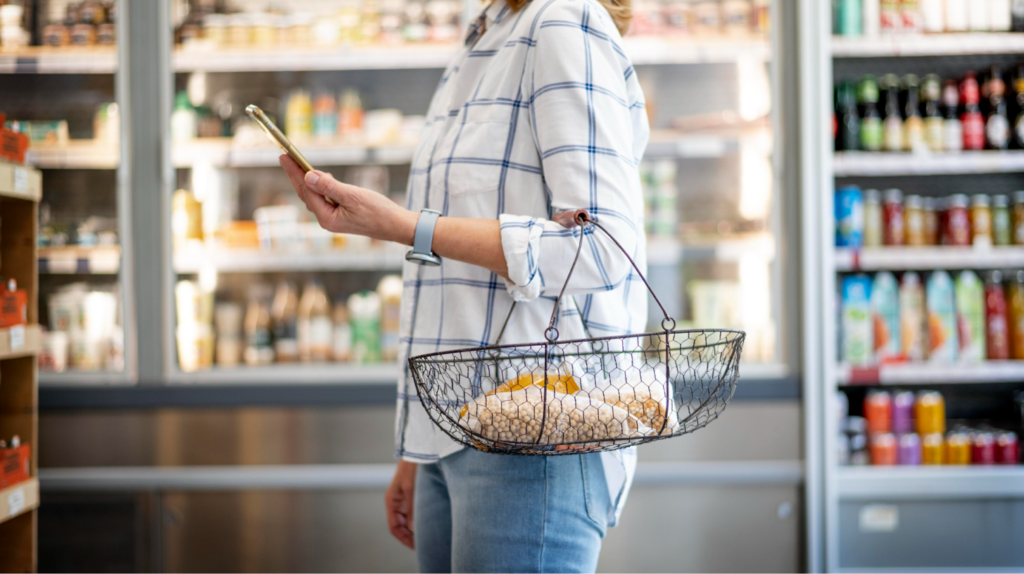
x: 583, y: 114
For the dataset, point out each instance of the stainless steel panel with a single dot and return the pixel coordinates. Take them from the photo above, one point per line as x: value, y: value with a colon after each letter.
x: 959, y: 534
x: 756, y: 430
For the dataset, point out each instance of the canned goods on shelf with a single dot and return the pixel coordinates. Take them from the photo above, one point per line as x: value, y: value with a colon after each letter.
x: 878, y: 411
x: 930, y: 413
x: 932, y: 449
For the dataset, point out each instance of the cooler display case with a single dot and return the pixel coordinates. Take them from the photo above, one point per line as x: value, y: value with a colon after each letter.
x: 62, y: 87
x: 915, y: 412
x: 336, y: 77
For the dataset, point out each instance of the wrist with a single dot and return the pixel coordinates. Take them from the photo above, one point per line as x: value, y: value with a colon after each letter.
x: 401, y: 227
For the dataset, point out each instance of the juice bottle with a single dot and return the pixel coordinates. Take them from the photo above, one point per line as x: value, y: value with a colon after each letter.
x: 390, y: 292
x: 943, y: 341
x: 298, y: 116
x: 314, y: 326
x: 912, y: 317
x: 873, y: 219
x: 885, y: 314
x: 1016, y: 312
x: 996, y: 320
x: 364, y: 318
x: 970, y: 316
x: 858, y: 338
x: 285, y: 315
x: 258, y: 347
x: 342, y: 336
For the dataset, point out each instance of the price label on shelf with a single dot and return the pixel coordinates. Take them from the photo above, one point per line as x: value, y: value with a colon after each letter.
x: 879, y: 518
x: 20, y: 179
x: 15, y: 501
x: 17, y: 334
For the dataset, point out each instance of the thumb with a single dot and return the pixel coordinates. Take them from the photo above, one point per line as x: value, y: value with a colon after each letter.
x: 322, y: 184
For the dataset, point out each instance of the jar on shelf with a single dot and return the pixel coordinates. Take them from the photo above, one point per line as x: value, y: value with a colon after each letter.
x: 1018, y: 217
x: 215, y: 29
x: 914, y: 221
x: 1002, y: 228
x: 931, y: 221
x: 873, y: 219
x: 892, y: 217
x: 981, y: 221
x: 957, y: 230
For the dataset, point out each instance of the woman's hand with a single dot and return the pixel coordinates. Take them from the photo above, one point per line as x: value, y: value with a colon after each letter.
x: 357, y: 211
x: 398, y: 501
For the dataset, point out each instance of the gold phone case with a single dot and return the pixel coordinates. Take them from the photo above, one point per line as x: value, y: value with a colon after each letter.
x: 277, y: 136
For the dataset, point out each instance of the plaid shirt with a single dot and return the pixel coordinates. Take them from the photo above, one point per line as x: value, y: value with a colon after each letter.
x: 541, y: 112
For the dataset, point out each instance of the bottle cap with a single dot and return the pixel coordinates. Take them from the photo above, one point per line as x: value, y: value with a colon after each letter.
x: 979, y: 200
x: 893, y: 196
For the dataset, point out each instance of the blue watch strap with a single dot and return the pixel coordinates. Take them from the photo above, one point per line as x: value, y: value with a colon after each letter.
x: 423, y: 240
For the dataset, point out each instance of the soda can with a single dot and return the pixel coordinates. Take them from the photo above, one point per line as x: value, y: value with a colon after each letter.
x: 883, y: 449
x: 849, y: 217
x: 958, y: 448
x: 983, y: 448
x: 909, y: 450
x: 903, y: 412
x: 932, y: 449
x: 878, y: 411
x: 930, y: 413
x: 1007, y: 448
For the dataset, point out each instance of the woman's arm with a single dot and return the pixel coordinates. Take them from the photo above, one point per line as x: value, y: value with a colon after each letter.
x: 363, y: 212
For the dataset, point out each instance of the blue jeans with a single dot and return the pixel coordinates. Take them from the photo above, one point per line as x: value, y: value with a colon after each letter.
x: 478, y: 512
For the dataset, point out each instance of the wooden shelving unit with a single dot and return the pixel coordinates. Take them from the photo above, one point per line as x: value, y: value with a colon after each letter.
x: 20, y: 191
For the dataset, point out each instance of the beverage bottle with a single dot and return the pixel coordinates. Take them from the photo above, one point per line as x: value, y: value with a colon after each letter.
x: 892, y: 134
x: 298, y: 116
x: 932, y: 16
x: 1002, y: 223
x: 342, y: 338
x: 1000, y: 19
x: 871, y: 119
x: 997, y: 126
x: 931, y: 91
x: 913, y: 125
x: 258, y: 347
x: 971, y: 120
x: 325, y: 116
x: 956, y: 15
x: 913, y: 318
x: 1017, y: 15
x: 315, y: 327
x: 849, y: 15
x: 848, y: 137
x: 350, y: 116
x: 996, y: 319
x: 890, y: 19
x: 1016, y: 304
x: 970, y: 316
x: 872, y: 18
x: 952, y: 129
x: 390, y: 292
x: 284, y: 314
x: 978, y: 16
x: 873, y: 221
x: 1018, y: 92
x: 364, y: 310
x: 910, y: 16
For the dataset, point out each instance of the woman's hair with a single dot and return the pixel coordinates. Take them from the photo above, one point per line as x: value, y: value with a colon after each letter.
x: 621, y: 11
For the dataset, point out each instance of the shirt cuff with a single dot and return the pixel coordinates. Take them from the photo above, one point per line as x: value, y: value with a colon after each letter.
x: 520, y: 241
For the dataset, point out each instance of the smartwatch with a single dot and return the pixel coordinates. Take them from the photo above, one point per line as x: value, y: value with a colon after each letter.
x: 424, y: 238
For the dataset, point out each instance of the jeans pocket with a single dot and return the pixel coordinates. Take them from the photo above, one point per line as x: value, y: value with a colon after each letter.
x: 595, y: 490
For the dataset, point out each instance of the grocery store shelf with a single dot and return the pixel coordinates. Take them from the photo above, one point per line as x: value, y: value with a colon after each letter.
x: 92, y: 380
x: 221, y: 152
x: 79, y: 260
x: 642, y: 50
x: 256, y: 261
x: 18, y: 499
x: 932, y: 373
x: 928, y: 45
x: 20, y: 341
x: 925, y: 258
x: 293, y: 374
x: 850, y: 163
x: 930, y: 482
x: 377, y: 476
x: 76, y: 154
x: 59, y: 61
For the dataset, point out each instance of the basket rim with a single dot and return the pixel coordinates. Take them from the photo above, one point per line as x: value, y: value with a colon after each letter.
x: 739, y: 337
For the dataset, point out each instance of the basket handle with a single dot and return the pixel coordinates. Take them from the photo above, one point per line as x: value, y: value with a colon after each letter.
x: 582, y: 218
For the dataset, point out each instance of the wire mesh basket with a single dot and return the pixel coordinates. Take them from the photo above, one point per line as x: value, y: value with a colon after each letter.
x: 585, y: 395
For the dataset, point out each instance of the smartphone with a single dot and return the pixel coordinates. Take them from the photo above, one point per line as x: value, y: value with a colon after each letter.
x: 278, y: 137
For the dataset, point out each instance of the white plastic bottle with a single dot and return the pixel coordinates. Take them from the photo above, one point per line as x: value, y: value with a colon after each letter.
x: 956, y: 15
x: 872, y: 19
x: 999, y: 15
x: 978, y: 16
x: 933, y: 14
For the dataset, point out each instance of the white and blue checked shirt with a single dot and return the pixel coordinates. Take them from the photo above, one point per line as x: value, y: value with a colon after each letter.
x: 539, y: 113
